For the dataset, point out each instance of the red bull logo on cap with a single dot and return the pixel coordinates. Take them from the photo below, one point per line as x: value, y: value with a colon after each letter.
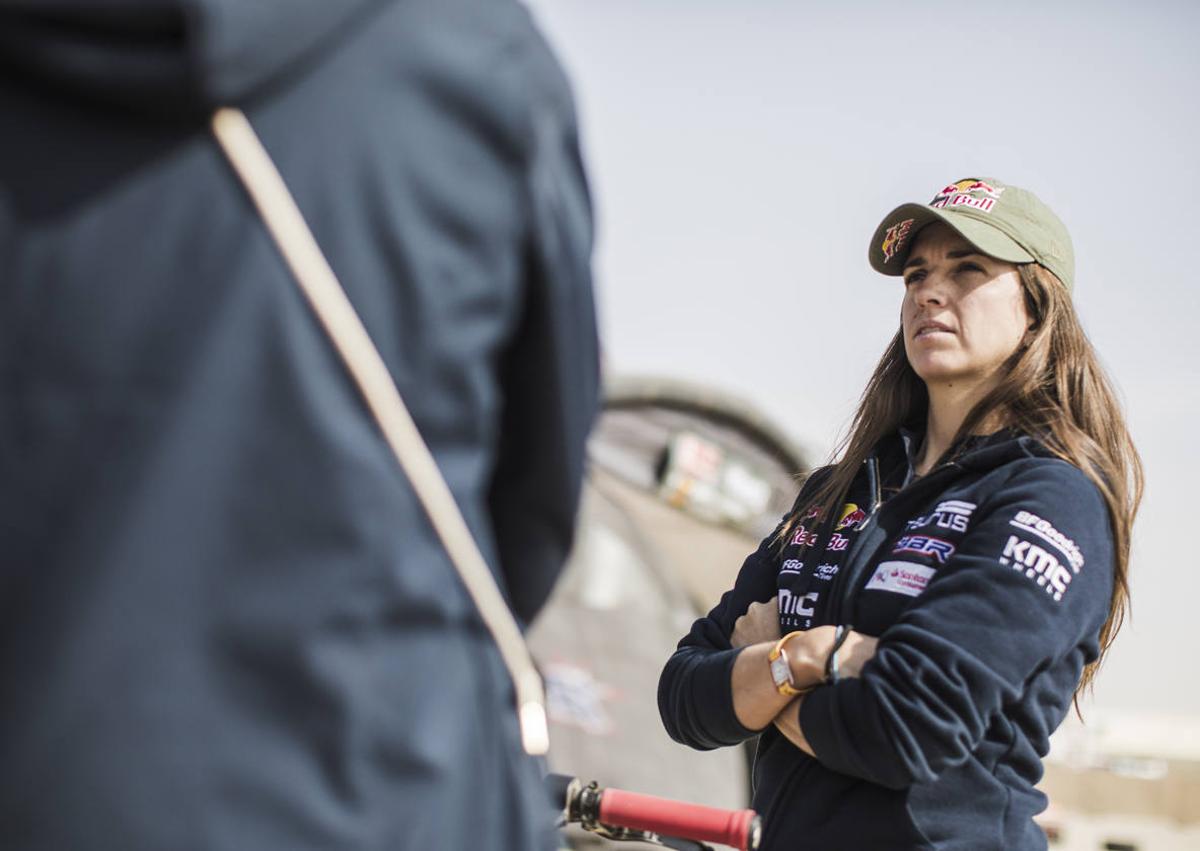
x: 972, y: 185
x: 894, y: 238
x: 971, y: 192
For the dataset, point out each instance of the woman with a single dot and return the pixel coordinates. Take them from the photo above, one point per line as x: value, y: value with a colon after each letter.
x: 975, y: 533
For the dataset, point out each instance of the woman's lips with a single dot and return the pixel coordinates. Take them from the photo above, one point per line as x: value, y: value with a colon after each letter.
x: 926, y: 329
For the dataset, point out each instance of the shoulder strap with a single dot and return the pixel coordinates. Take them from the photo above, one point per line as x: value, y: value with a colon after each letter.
x: 329, y: 301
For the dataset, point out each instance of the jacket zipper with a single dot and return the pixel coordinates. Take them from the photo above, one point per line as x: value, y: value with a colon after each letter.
x: 876, y: 498
x: 854, y: 569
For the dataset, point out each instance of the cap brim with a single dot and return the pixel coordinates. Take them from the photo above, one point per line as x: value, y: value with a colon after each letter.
x: 890, y: 259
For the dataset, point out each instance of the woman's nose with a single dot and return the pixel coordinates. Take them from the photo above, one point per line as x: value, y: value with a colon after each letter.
x: 929, y: 291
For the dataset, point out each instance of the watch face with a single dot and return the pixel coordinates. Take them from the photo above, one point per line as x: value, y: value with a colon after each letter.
x: 781, y: 672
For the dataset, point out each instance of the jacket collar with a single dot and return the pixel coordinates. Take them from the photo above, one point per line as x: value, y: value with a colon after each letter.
x: 897, y: 453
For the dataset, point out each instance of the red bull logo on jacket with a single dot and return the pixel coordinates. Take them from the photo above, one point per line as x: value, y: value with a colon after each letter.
x: 852, y: 517
x: 972, y: 192
x: 804, y: 538
x: 837, y: 542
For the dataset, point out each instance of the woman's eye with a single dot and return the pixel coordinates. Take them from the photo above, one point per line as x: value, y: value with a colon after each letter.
x: 970, y: 267
x: 913, y: 278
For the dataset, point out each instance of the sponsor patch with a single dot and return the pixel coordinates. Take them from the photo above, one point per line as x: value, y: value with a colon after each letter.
x: 797, y: 605
x: 803, y: 537
x: 982, y: 204
x: 1037, y: 564
x: 971, y: 192
x: 852, y: 517
x: 895, y: 237
x: 826, y: 572
x: 925, y: 545
x: 837, y: 542
x: 901, y: 577
x: 952, y: 514
x: 792, y: 565
x: 1027, y: 521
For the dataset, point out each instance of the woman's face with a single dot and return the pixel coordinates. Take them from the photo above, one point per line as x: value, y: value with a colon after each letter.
x: 963, y: 312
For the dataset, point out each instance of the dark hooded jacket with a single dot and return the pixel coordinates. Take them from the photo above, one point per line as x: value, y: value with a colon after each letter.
x: 224, y: 620
x: 987, y: 582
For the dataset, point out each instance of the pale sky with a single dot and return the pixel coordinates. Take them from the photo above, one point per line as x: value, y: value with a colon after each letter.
x: 742, y: 153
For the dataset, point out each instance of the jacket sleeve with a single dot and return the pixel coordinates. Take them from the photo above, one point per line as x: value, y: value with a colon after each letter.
x: 1028, y: 588
x: 550, y: 373
x: 695, y: 697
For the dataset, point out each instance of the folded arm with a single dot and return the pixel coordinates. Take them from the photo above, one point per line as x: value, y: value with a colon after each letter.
x: 1026, y: 591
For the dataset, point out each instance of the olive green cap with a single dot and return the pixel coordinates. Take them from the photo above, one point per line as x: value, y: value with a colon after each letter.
x: 1005, y: 222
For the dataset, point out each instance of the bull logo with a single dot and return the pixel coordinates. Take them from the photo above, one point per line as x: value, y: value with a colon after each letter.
x: 852, y: 517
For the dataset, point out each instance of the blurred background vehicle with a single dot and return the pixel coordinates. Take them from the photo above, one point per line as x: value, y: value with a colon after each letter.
x: 683, y: 482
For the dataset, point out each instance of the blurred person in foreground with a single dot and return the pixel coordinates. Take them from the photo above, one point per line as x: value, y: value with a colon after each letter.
x: 909, y: 637
x: 225, y: 622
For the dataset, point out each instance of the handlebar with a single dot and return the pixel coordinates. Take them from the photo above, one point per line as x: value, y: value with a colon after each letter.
x: 595, y: 807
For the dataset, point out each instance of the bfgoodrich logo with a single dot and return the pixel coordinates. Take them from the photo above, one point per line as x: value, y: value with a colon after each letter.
x: 792, y: 565
x: 1027, y: 521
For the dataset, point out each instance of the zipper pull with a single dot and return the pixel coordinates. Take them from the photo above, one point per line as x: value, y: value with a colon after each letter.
x: 874, y: 485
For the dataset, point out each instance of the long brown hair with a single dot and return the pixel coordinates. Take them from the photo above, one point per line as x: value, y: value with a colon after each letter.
x: 1052, y: 388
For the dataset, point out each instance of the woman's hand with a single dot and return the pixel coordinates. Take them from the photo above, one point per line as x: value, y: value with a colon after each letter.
x: 756, y: 701
x: 759, y: 624
x: 809, y: 654
x: 855, y: 651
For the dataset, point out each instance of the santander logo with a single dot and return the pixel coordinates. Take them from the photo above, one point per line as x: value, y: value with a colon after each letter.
x: 901, y: 577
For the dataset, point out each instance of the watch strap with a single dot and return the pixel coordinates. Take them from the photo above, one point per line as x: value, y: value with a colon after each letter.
x: 785, y: 685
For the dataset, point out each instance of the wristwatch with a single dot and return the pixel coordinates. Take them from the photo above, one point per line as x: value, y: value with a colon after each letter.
x: 781, y: 668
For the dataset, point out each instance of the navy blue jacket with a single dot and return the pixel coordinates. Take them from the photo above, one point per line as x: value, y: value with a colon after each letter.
x: 225, y: 622
x: 987, y: 582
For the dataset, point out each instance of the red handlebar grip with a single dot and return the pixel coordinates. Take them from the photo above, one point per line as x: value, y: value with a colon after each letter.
x: 737, y: 828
